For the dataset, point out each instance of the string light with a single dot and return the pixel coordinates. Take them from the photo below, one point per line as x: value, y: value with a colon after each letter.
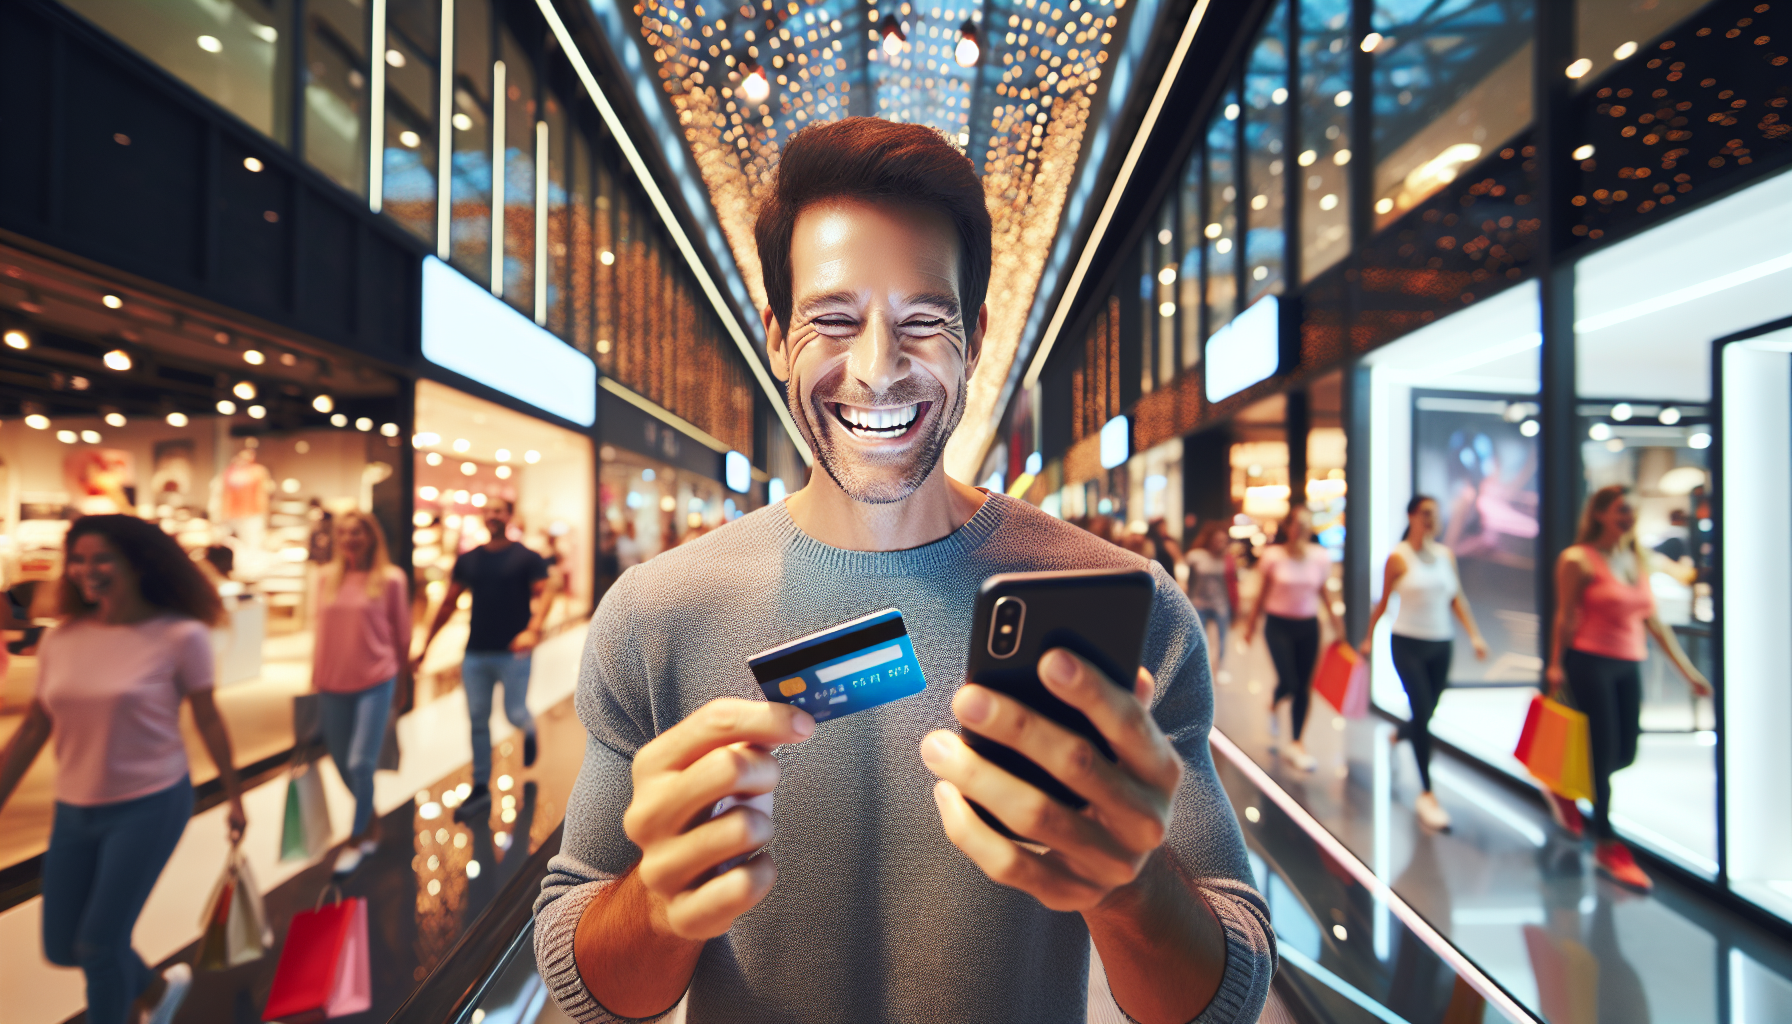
x: 967, y: 52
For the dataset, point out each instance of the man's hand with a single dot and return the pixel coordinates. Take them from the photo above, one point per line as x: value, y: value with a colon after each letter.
x: 1092, y: 852
x: 723, y: 749
x: 526, y: 641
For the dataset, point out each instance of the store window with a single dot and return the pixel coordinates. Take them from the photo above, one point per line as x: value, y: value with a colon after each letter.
x: 1223, y: 251
x: 251, y: 503
x: 1452, y: 83
x: 1159, y: 270
x: 650, y: 505
x: 335, y: 138
x: 470, y: 229
x: 236, y: 54
x: 468, y: 453
x: 553, y: 309
x: 413, y: 74
x: 1324, y: 152
x: 1191, y: 207
x: 1647, y: 312
x: 1266, y: 157
x: 1453, y: 415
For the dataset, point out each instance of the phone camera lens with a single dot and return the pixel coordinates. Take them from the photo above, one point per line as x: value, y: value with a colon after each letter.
x: 1004, y: 636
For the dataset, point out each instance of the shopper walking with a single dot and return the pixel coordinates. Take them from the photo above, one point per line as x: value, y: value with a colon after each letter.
x: 132, y: 645
x: 1293, y: 574
x: 358, y: 664
x: 1604, y: 611
x: 1423, y: 573
x: 505, y: 578
x: 1209, y: 572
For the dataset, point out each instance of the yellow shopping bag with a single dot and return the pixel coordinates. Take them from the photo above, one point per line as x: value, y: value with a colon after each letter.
x: 1556, y: 748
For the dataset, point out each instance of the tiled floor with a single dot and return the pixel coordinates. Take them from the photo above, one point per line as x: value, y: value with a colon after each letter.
x: 1508, y: 888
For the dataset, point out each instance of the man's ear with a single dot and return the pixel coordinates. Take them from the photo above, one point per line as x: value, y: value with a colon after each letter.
x: 775, y: 352
x: 973, y: 344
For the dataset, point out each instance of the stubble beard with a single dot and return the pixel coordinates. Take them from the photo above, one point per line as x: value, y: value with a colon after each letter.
x: 858, y: 473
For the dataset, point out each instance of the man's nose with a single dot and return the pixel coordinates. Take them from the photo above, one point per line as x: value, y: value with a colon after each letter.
x: 876, y: 359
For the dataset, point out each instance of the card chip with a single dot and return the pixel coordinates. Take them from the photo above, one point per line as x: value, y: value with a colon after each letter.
x: 792, y: 687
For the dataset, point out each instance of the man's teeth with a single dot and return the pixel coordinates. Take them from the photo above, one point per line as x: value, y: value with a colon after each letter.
x: 879, y: 422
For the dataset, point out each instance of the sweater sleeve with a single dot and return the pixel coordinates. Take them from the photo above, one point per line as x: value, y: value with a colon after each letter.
x: 1204, y: 835
x: 594, y: 850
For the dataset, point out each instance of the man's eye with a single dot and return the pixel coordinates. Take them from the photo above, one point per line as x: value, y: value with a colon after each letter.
x: 925, y: 324
x: 832, y: 323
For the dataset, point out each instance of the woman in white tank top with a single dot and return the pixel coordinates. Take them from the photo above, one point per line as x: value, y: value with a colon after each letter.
x: 1423, y: 572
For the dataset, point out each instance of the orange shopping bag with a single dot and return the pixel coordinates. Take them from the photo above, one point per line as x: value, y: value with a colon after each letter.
x: 1343, y: 680
x: 1556, y: 748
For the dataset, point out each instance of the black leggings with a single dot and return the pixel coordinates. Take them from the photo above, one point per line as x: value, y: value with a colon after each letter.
x: 1424, y: 668
x: 1610, y: 693
x: 1294, y: 647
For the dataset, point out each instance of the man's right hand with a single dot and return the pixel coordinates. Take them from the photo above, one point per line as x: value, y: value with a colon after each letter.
x: 723, y: 749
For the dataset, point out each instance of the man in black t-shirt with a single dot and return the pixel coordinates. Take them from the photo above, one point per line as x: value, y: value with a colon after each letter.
x: 511, y: 597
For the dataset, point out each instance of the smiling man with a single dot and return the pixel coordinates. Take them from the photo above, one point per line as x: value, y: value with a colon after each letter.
x: 858, y: 884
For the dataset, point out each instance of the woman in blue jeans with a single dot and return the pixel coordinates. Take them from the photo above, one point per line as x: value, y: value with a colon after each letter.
x: 132, y: 646
x: 363, y: 632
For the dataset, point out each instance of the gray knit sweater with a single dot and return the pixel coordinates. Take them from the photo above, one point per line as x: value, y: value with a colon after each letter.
x: 875, y: 915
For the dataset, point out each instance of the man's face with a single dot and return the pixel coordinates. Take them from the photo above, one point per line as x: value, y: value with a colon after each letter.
x: 878, y: 350
x: 497, y: 517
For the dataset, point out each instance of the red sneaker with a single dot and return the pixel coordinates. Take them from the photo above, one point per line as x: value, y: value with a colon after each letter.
x: 1616, y: 863
x: 1566, y: 814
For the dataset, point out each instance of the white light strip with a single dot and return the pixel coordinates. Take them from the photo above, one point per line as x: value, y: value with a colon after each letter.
x: 673, y: 227
x: 541, y: 223
x: 376, y: 122
x: 1690, y: 292
x: 1107, y: 211
x: 445, y: 137
x: 1468, y: 362
x: 1380, y: 890
x: 497, y: 217
x: 666, y: 416
x: 1336, y: 984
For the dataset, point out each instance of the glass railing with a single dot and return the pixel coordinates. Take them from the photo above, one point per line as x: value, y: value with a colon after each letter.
x: 1351, y: 950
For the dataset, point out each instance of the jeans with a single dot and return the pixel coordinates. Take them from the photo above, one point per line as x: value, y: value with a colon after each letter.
x: 102, y: 863
x: 1424, y: 669
x: 1221, y: 622
x: 1294, y: 648
x: 1610, y: 693
x: 479, y: 672
x: 354, y: 727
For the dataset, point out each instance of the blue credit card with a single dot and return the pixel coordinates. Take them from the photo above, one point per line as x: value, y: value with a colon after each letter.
x: 846, y: 668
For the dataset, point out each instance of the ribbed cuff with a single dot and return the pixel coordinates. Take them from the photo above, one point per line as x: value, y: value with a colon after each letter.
x: 555, y: 925
x: 1250, y: 961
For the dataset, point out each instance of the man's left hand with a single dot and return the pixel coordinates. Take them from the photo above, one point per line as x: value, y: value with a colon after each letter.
x: 525, y: 641
x: 1092, y: 852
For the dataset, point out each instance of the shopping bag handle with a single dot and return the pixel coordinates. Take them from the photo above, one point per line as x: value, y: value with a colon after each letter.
x: 325, y: 892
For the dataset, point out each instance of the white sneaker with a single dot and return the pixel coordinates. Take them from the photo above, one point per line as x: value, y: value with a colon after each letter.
x: 347, y: 861
x: 1301, y: 759
x: 1431, y: 814
x: 179, y: 979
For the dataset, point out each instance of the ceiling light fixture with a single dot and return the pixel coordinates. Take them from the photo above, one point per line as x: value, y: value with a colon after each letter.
x: 176, y: 419
x: 893, y: 35
x: 117, y: 359
x: 753, y: 83
x: 18, y: 339
x: 37, y: 421
x: 254, y: 357
x: 967, y: 52
x: 323, y: 403
x: 243, y: 390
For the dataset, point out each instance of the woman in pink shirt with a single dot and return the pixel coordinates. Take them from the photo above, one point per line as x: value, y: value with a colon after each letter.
x: 1294, y: 572
x: 362, y: 648
x: 1604, y: 611
x: 133, y: 644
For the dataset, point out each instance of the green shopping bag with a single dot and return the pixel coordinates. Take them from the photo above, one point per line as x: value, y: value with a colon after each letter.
x: 305, y: 828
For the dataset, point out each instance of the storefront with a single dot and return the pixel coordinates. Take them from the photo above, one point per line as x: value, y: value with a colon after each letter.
x: 242, y: 443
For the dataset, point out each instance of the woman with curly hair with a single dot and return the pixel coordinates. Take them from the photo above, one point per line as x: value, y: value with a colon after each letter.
x: 133, y: 644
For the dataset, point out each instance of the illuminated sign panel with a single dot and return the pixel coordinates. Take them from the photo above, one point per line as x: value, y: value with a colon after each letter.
x: 469, y: 330
x: 1116, y: 442
x: 737, y: 472
x: 1244, y: 351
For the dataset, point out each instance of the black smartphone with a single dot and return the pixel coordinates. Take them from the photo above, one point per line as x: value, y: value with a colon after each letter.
x: 1099, y: 614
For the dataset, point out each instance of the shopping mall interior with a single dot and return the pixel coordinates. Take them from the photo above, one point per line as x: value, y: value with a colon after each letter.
x: 475, y: 288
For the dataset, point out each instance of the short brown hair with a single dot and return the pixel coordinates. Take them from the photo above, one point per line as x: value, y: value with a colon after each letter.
x: 167, y: 577
x: 877, y: 161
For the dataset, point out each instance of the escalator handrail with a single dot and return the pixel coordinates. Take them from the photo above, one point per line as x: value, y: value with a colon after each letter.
x: 460, y: 978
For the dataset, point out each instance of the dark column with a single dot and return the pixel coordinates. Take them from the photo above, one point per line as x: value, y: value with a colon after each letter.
x: 1207, y: 475
x: 1358, y: 572
x: 1560, y: 481
x: 1297, y: 421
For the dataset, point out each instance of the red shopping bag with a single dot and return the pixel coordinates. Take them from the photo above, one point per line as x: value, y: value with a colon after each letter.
x: 1556, y: 748
x: 324, y: 970
x: 1343, y: 680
